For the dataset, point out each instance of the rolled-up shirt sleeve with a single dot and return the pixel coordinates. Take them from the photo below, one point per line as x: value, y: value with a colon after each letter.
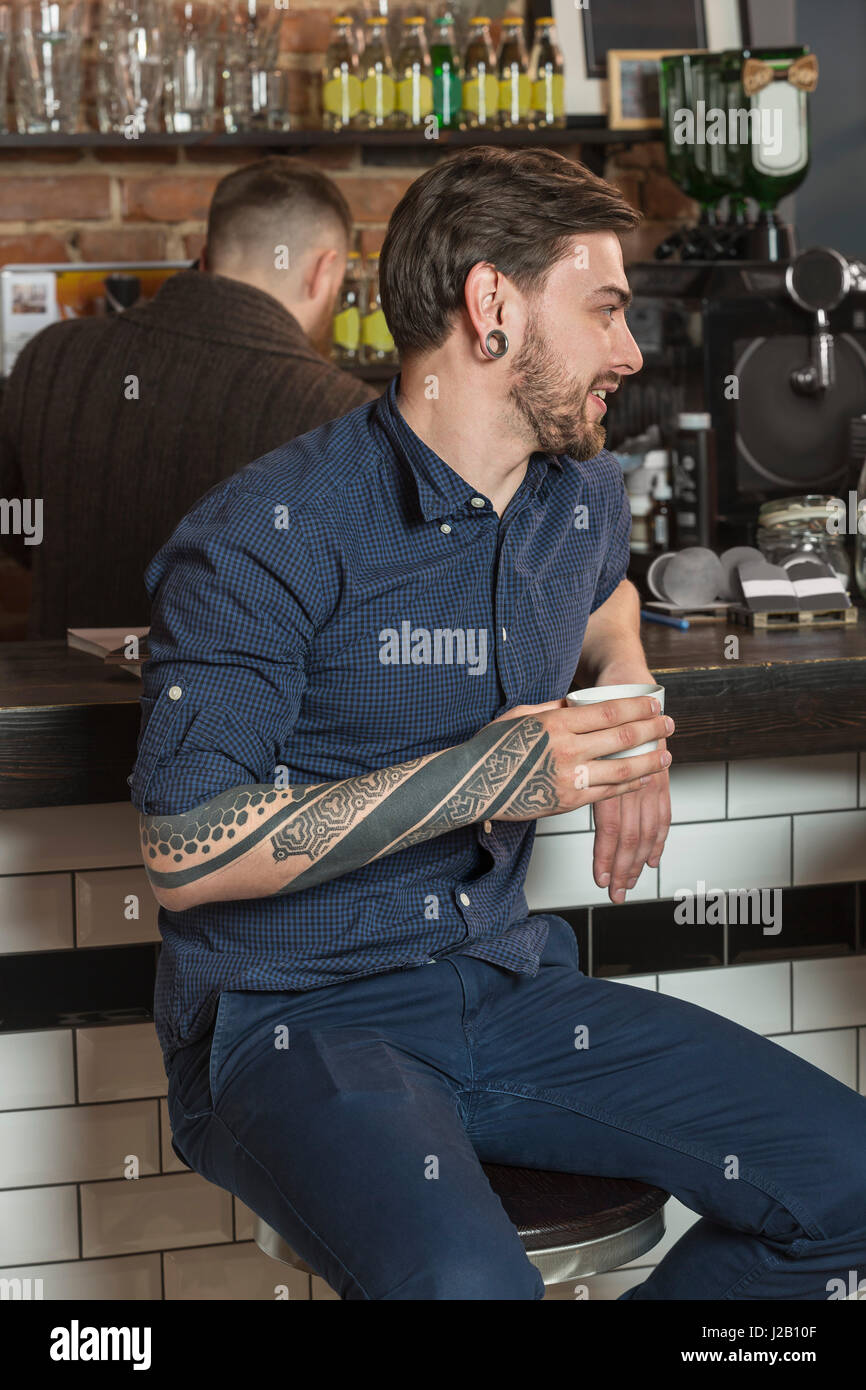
x: 618, y: 550
x: 235, y: 602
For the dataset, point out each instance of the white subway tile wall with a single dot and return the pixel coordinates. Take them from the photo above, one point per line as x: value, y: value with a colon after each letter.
x: 136, y: 1277
x: 697, y: 791
x: 38, y: 1223
x: 782, y: 786
x: 46, y: 839
x: 77, y: 1143
x: 157, y: 1213
x: 560, y: 875
x: 830, y: 848
x: 834, y: 1052
x: 241, y: 1272
x: 755, y: 996
x: 114, y: 907
x: 570, y: 820
x: 35, y: 912
x: 829, y: 993
x: 36, y: 1069
x: 79, y: 1107
x: 727, y: 854
x: 119, y: 1063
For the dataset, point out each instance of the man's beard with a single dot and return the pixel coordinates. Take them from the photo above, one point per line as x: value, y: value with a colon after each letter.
x: 551, y: 402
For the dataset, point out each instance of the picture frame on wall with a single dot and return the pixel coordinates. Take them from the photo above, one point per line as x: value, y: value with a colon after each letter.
x: 619, y: 23
x: 633, y: 80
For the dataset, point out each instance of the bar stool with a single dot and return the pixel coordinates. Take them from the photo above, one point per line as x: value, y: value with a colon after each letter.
x: 571, y: 1225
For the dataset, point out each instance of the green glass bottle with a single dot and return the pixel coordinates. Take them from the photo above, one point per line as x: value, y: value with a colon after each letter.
x: 776, y: 145
x: 447, y: 83
x: 682, y: 85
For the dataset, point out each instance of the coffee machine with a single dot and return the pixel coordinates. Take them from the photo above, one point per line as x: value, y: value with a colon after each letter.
x: 775, y: 354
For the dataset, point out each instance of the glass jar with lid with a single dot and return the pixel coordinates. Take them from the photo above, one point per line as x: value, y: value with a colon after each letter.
x: 806, y: 526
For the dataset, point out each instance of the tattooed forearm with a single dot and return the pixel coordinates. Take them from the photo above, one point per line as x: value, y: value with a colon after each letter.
x: 217, y: 851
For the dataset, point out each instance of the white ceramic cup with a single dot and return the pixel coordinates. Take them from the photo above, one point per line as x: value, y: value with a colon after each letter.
x: 596, y: 693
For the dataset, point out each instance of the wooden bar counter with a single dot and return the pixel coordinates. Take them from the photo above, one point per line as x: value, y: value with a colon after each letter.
x: 69, y: 724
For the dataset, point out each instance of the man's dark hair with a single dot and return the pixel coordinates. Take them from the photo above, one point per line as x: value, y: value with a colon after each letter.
x: 278, y: 190
x: 518, y: 209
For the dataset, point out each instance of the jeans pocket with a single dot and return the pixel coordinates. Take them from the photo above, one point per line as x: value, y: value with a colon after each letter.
x: 193, y: 1068
x: 218, y: 1042
x: 561, y: 947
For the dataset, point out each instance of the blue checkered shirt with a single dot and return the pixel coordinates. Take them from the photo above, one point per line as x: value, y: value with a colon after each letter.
x: 349, y: 602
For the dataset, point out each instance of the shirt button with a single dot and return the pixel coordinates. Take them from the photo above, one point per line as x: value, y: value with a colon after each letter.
x: 175, y: 692
x: 488, y: 827
x: 504, y: 635
x: 477, y: 502
x: 465, y: 899
x: 445, y: 529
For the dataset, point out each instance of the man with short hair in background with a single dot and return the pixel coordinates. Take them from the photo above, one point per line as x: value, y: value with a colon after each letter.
x: 121, y: 423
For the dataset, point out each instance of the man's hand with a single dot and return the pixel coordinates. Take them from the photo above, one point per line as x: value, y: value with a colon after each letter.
x: 630, y: 831
x: 568, y: 765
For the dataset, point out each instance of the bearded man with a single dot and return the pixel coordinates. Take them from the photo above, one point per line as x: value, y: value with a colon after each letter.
x: 355, y: 1005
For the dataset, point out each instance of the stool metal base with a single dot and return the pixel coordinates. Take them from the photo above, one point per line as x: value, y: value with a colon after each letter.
x: 558, y: 1265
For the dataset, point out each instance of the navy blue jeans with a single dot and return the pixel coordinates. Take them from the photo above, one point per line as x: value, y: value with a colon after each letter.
x: 354, y: 1119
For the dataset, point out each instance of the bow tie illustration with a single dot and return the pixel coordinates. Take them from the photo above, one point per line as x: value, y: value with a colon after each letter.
x: 803, y: 73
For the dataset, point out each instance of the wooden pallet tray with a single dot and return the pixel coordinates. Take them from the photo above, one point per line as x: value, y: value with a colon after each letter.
x: 793, y: 617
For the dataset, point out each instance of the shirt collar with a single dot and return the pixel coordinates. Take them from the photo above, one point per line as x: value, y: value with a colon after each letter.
x: 441, y: 491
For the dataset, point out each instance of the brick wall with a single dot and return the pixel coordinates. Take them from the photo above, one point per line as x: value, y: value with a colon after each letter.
x: 129, y: 204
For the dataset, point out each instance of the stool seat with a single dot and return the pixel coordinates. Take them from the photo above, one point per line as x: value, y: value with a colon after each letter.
x: 572, y: 1225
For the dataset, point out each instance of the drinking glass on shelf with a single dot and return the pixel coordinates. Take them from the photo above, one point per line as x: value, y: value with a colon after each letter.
x: 47, y: 44
x: 255, y: 99
x: 269, y: 106
x: 129, y: 75
x: 191, y: 66
x: 5, y: 46
x: 254, y: 31
x: 255, y: 90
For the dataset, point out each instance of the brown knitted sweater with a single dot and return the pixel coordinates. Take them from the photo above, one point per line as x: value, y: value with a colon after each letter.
x: 225, y: 374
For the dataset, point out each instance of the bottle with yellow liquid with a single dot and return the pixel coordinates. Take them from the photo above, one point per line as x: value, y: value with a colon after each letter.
x: 346, y: 344
x: 378, y: 90
x: 480, y: 80
x: 547, y: 77
x: 514, y: 85
x: 341, y: 79
x: 414, y: 76
x: 377, y: 345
